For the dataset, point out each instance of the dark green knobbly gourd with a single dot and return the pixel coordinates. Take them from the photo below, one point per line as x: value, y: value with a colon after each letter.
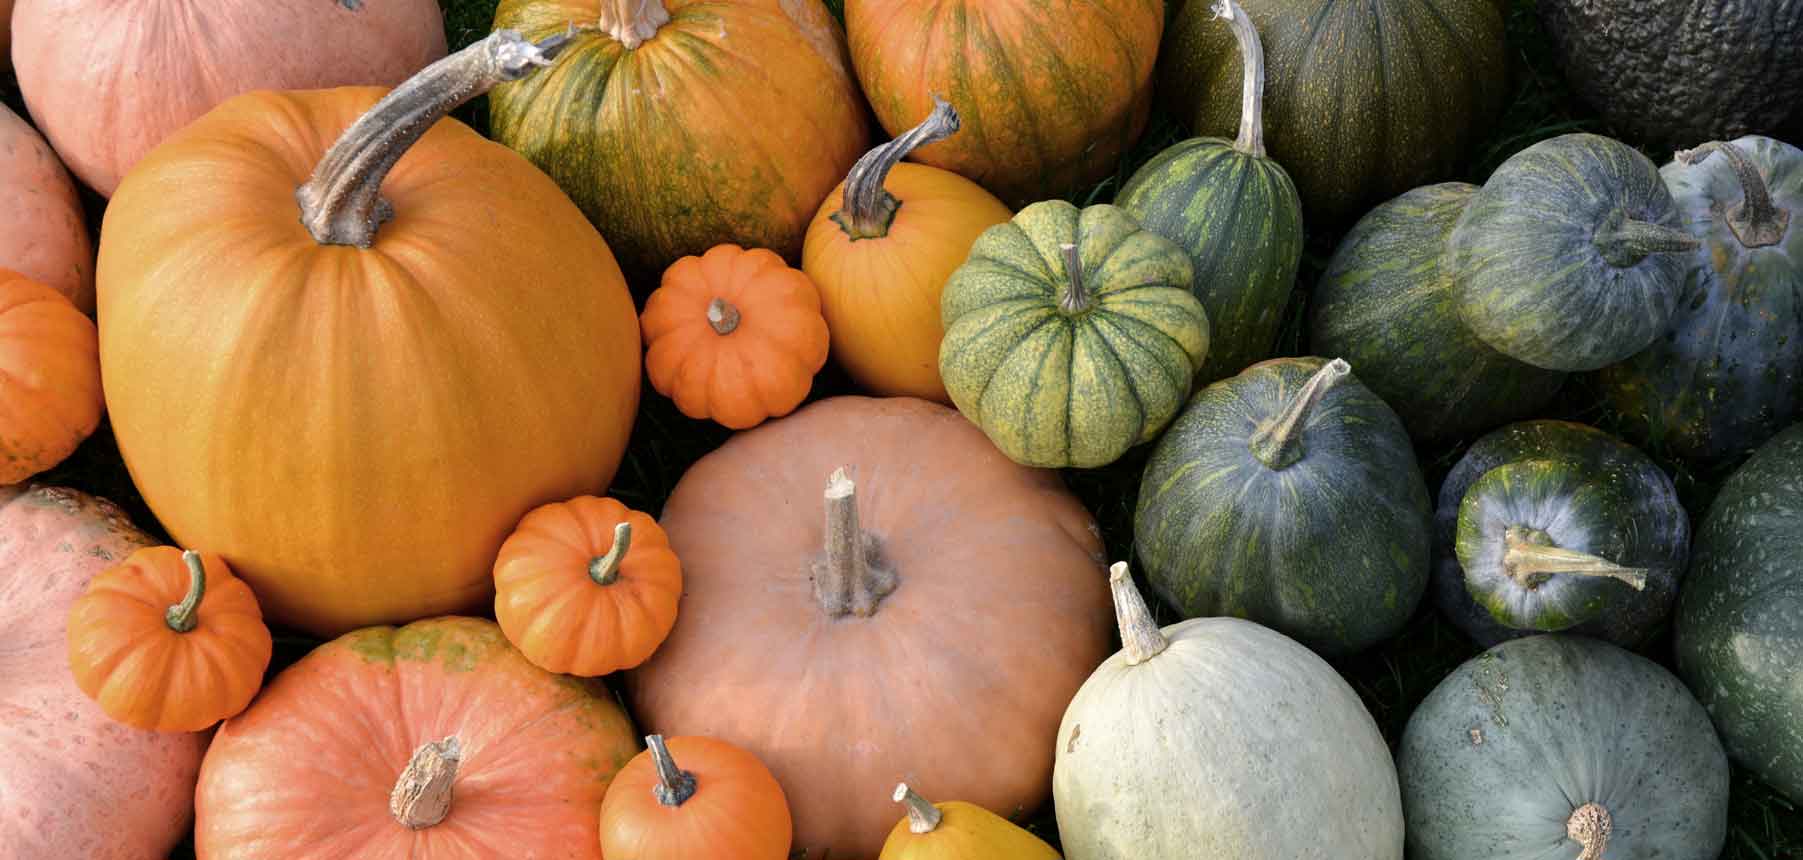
x: 1739, y: 628
x: 1559, y: 747
x: 1288, y: 495
x: 1071, y: 335
x: 1236, y: 212
x: 1385, y: 304
x: 1549, y: 526
x: 1571, y: 256
x: 1728, y: 372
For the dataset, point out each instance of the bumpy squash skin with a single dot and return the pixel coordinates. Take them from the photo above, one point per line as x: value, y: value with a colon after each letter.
x: 1332, y: 550
x: 1385, y: 305
x: 1739, y: 630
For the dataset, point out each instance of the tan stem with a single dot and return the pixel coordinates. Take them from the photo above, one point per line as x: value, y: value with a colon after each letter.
x: 422, y: 795
x: 1757, y: 221
x: 1252, y: 89
x: 869, y: 208
x: 923, y: 817
x: 1076, y: 293
x: 1624, y: 242
x: 674, y: 785
x: 605, y: 569
x: 853, y: 575
x: 632, y: 22
x: 1140, y: 637
x: 182, y: 617
x: 1278, y: 443
x: 1589, y: 826
x: 1531, y: 562
x: 722, y: 316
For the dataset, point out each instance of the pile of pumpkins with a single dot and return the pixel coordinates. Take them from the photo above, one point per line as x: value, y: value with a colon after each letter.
x: 371, y: 370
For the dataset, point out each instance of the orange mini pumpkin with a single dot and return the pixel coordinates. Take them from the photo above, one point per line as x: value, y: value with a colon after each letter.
x: 734, y: 335
x: 720, y: 802
x: 49, y: 377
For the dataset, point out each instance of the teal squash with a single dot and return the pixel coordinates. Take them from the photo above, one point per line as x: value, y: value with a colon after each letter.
x: 1236, y: 212
x: 1728, y: 372
x: 1071, y: 335
x: 1571, y: 256
x: 1739, y: 628
x: 1557, y: 747
x: 1288, y: 495
x: 1385, y: 305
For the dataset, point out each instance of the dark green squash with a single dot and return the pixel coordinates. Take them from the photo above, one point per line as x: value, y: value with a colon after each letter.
x: 1236, y: 212
x: 1571, y: 255
x: 1071, y: 335
x: 1385, y: 305
x: 1739, y: 630
x: 1288, y: 495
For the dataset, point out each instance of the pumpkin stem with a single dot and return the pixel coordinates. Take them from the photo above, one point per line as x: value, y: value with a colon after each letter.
x: 1589, y: 826
x: 1278, y: 443
x: 869, y: 208
x: 1076, y: 294
x: 605, y: 569
x: 1756, y: 221
x: 422, y: 795
x: 1530, y: 558
x: 341, y: 203
x: 853, y: 575
x: 1252, y: 93
x: 1140, y: 636
x: 722, y: 316
x: 183, y: 616
x: 632, y: 22
x: 674, y: 785
x: 1624, y: 242
x: 923, y: 817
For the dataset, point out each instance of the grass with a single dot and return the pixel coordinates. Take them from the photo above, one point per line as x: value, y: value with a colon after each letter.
x: 1393, y: 678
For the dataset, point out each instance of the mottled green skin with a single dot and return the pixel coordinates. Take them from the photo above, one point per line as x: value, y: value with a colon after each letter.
x: 1385, y: 306
x: 1240, y: 220
x: 1727, y: 373
x: 1331, y: 550
x: 1499, y: 755
x: 1739, y: 628
x: 1528, y: 278
x: 1634, y: 507
x: 1058, y: 388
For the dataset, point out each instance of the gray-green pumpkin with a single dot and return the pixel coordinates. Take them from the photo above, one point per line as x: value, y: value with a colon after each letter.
x: 1071, y: 335
x: 1288, y: 495
x: 1557, y: 747
x: 1571, y: 256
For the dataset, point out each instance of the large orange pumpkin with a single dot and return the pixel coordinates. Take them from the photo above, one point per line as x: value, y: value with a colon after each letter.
x: 49, y: 378
x: 353, y: 399
x: 43, y: 233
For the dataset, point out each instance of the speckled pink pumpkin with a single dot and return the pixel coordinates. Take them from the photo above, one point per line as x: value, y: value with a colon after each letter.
x: 43, y: 234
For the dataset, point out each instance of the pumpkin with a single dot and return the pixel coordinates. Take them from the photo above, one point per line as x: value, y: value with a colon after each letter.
x: 957, y: 831
x: 1552, y: 525
x: 833, y: 630
x: 678, y: 125
x: 168, y: 641
x: 1180, y: 721
x: 76, y: 783
x: 49, y: 378
x: 1385, y: 305
x: 1071, y: 335
x: 1052, y: 94
x: 1739, y: 627
x: 1236, y: 212
x: 1562, y: 746
x: 1571, y: 256
x: 1288, y: 495
x: 430, y: 741
x: 1362, y: 100
x: 98, y: 111
x: 351, y: 386
x: 586, y: 586
x: 1728, y: 372
x: 881, y: 249
x: 43, y: 233
x: 694, y: 797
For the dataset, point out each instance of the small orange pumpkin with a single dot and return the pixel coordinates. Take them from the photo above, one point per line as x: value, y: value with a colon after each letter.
x: 169, y: 641
x: 587, y: 587
x: 49, y: 377
x: 721, y: 803
x: 734, y: 335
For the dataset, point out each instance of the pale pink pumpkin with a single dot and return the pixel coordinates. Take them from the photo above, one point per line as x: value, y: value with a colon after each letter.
x: 43, y: 234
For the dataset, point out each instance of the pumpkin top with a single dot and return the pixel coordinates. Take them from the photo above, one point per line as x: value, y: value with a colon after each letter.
x: 1277, y: 443
x: 869, y: 207
x: 1251, y: 139
x: 632, y: 22
x: 1757, y: 221
x: 1141, y: 639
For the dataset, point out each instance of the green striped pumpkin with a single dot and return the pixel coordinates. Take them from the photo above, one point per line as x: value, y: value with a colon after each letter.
x: 1071, y: 335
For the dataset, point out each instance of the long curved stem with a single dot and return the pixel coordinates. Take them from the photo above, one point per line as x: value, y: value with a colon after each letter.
x: 869, y: 208
x: 1757, y: 221
x: 923, y: 816
x: 674, y: 785
x: 1589, y: 826
x: 1252, y: 89
x: 1624, y: 242
x: 1531, y: 562
x: 852, y: 576
x: 1278, y: 444
x: 605, y: 569
x: 632, y: 22
x: 422, y: 795
x: 183, y: 616
x: 1141, y: 639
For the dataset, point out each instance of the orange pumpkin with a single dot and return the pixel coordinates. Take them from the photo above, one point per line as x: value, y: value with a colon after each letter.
x: 169, y: 641
x: 354, y: 399
x: 43, y: 233
x: 691, y: 798
x: 586, y: 587
x: 734, y: 335
x: 49, y: 378
x: 881, y: 248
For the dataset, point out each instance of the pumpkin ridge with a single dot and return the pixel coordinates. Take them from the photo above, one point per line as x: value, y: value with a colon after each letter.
x: 1125, y: 324
x: 1002, y: 67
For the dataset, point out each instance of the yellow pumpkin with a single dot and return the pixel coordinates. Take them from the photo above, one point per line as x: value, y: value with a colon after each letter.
x: 956, y: 830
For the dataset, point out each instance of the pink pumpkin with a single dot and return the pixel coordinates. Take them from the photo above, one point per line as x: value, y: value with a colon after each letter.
x: 43, y: 234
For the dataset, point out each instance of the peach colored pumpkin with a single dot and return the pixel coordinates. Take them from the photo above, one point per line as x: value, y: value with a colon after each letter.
x: 108, y: 80
x: 6, y: 32
x: 73, y: 783
x: 43, y: 234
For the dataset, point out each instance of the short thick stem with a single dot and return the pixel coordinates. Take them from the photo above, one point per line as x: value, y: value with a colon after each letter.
x: 722, y: 316
x: 632, y: 22
x: 923, y: 817
x: 853, y: 574
x: 674, y: 785
x: 422, y: 795
x: 1757, y: 221
x: 1278, y: 443
x: 869, y: 208
x: 182, y: 617
x: 1531, y: 559
x: 605, y: 569
x: 1141, y: 639
x: 1076, y: 293
x: 1624, y: 242
x: 1589, y: 826
x: 1252, y: 88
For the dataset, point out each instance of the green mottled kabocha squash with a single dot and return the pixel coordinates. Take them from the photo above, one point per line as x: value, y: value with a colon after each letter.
x: 1728, y: 373
x: 1739, y: 628
x: 1385, y: 305
x: 1364, y: 100
x: 1071, y: 335
x: 1571, y: 256
x: 1555, y: 747
x: 1548, y: 526
x: 1236, y: 212
x: 1288, y: 495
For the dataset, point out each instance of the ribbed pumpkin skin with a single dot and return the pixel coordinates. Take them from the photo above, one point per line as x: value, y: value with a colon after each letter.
x: 1238, y: 217
x: 1331, y: 550
x: 50, y: 396
x: 1385, y: 305
x: 1739, y: 631
x: 728, y: 125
